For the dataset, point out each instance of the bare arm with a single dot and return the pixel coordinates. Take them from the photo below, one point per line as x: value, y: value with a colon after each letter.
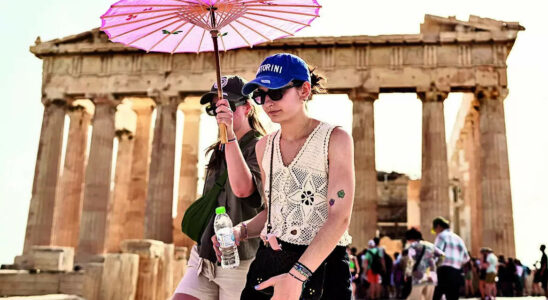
x: 341, y: 178
x: 241, y: 179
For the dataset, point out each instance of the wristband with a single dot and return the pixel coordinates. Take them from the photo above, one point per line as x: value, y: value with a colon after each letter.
x: 303, y: 281
x: 244, y: 227
x: 231, y: 140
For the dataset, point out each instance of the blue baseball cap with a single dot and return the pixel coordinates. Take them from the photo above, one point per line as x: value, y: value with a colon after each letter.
x: 277, y: 71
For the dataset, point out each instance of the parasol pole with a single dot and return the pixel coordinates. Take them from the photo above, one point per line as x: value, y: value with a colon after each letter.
x: 214, y: 35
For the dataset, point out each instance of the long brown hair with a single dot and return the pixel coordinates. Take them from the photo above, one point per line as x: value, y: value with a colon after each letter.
x: 217, y: 155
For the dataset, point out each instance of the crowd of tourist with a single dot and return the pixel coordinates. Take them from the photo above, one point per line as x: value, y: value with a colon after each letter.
x: 427, y: 271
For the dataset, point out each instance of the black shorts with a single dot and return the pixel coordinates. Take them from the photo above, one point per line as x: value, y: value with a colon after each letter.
x: 337, y: 282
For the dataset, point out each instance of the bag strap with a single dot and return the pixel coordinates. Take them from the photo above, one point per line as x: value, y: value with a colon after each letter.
x: 416, y: 265
x: 269, y: 225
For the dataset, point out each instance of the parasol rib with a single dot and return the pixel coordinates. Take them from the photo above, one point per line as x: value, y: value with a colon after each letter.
x: 245, y: 25
x: 144, y: 26
x: 137, y: 21
x: 183, y: 38
x: 167, y: 35
x: 152, y: 32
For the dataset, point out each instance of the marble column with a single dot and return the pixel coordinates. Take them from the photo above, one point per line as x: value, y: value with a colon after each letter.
x: 498, y: 224
x: 39, y: 229
x: 135, y: 216
x: 70, y: 194
x: 473, y: 182
x: 434, y: 193
x: 120, y: 205
x: 159, y: 203
x: 188, y: 180
x: 363, y: 224
x: 93, y: 226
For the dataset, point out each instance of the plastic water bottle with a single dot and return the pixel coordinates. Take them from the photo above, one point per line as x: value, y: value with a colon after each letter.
x: 225, y: 236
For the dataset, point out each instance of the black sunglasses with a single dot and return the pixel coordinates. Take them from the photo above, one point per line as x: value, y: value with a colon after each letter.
x: 260, y: 96
x: 212, y: 107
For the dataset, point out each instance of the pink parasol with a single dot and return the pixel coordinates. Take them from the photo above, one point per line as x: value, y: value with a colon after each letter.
x: 174, y: 26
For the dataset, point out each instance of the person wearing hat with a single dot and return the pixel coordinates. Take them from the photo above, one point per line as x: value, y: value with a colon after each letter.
x: 456, y: 255
x: 204, y: 278
x: 308, y: 174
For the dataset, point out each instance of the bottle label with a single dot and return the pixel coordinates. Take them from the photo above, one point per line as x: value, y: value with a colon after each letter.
x: 226, y: 238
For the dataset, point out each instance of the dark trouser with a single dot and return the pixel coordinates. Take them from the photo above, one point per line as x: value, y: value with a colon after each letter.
x: 336, y: 283
x: 448, y: 283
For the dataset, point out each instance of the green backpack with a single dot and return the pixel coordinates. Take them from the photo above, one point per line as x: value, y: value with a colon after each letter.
x: 197, y: 215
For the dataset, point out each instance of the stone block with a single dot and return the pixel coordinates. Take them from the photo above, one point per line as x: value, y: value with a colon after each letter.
x: 144, y: 248
x: 49, y: 258
x: 114, y: 279
x: 72, y: 283
x: 23, y: 283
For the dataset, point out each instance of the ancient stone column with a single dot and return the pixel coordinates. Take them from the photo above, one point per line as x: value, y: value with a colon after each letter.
x: 120, y: 201
x: 70, y: 194
x: 40, y: 218
x: 473, y: 188
x: 135, y: 216
x: 434, y: 192
x: 363, y: 225
x: 188, y: 179
x: 498, y: 224
x: 159, y: 204
x: 93, y: 226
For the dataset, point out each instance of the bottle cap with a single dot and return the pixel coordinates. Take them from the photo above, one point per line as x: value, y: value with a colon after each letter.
x: 220, y: 210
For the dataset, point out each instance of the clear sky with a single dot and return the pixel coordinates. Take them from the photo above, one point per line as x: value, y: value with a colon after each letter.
x: 397, y: 116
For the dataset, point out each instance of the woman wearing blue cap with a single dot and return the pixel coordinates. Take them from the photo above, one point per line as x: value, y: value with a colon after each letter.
x: 308, y: 175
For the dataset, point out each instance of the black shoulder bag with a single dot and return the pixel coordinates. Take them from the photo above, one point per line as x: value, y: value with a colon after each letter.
x: 269, y: 263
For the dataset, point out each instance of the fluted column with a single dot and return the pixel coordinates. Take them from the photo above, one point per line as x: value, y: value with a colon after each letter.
x: 188, y: 179
x: 93, y: 226
x: 363, y: 224
x: 159, y: 204
x: 498, y: 224
x: 135, y: 216
x: 121, y: 204
x: 473, y: 188
x: 46, y: 173
x: 434, y: 193
x: 70, y: 194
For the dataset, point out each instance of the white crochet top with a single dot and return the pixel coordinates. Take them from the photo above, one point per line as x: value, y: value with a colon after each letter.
x: 299, y: 190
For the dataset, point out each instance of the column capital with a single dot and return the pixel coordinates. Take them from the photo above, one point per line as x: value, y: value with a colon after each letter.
x: 165, y: 98
x: 490, y: 93
x: 120, y: 133
x: 432, y: 95
x: 103, y: 98
x: 58, y: 102
x: 362, y: 95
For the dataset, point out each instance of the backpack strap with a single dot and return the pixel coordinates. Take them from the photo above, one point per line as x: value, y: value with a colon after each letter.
x: 418, y: 260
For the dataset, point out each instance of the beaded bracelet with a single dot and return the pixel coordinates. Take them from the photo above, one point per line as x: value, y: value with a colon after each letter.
x: 302, y: 269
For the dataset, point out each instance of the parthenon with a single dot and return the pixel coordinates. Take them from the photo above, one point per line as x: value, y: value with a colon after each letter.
x: 86, y: 78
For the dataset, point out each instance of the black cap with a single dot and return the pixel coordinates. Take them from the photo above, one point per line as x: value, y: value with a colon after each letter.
x: 232, y: 90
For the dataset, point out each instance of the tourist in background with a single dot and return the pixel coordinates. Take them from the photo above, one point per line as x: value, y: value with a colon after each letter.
x: 422, y: 270
x: 456, y: 255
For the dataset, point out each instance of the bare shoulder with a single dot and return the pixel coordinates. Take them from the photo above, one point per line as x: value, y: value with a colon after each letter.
x: 260, y: 146
x: 340, y: 140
